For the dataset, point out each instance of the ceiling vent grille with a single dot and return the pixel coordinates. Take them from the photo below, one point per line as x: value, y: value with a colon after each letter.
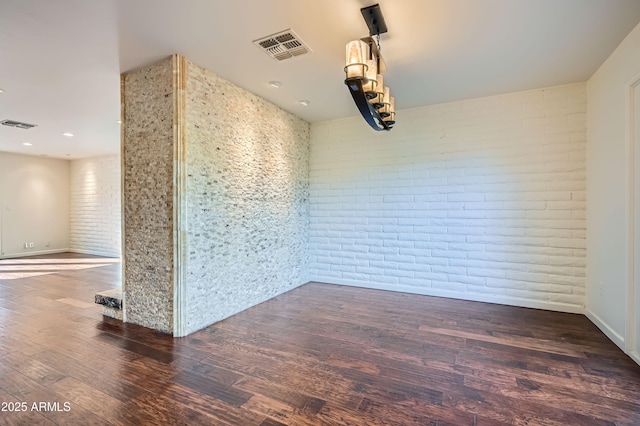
x: 18, y: 124
x: 283, y: 45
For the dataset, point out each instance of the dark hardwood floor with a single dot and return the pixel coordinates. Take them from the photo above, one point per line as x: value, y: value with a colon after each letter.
x: 318, y: 355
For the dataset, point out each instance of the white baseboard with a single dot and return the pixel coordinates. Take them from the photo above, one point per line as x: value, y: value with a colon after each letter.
x: 34, y: 253
x: 94, y: 253
x: 614, y: 336
x: 502, y: 300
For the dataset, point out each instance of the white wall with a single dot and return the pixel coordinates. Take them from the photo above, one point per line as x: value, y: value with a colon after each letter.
x: 608, y: 188
x: 96, y: 206
x: 34, y: 205
x: 482, y: 199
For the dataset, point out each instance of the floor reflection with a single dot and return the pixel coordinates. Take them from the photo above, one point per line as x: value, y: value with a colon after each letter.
x: 26, y: 267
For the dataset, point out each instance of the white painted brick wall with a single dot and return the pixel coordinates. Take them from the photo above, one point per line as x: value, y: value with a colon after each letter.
x: 95, y: 206
x: 482, y: 199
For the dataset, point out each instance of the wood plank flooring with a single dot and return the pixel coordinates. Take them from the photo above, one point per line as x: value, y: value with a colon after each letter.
x: 318, y: 355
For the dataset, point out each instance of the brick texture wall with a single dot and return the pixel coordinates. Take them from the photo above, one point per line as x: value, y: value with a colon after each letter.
x: 481, y: 199
x: 95, y: 213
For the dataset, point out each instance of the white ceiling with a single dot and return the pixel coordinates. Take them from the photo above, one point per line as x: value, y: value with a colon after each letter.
x: 60, y: 60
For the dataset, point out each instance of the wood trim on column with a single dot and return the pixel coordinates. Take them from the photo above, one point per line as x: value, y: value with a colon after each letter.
x: 179, y: 197
x: 123, y: 284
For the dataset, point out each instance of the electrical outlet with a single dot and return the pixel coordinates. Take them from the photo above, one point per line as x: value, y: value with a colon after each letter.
x: 31, y: 245
x: 26, y: 245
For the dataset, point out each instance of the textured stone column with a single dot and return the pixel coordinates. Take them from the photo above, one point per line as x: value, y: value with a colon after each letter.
x: 151, y: 111
x: 215, y: 195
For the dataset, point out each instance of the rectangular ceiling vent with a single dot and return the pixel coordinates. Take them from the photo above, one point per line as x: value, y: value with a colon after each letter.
x: 18, y: 124
x: 283, y: 45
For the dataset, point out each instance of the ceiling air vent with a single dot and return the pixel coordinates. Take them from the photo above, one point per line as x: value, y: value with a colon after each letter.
x: 18, y: 124
x: 283, y: 45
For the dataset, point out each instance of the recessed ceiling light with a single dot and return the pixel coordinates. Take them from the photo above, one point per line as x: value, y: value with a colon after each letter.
x: 1, y: 91
x: 27, y: 144
x: 275, y: 84
x: 67, y: 134
x: 119, y: 121
x: 304, y: 102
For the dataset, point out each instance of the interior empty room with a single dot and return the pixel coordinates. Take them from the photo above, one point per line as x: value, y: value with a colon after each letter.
x: 409, y: 212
